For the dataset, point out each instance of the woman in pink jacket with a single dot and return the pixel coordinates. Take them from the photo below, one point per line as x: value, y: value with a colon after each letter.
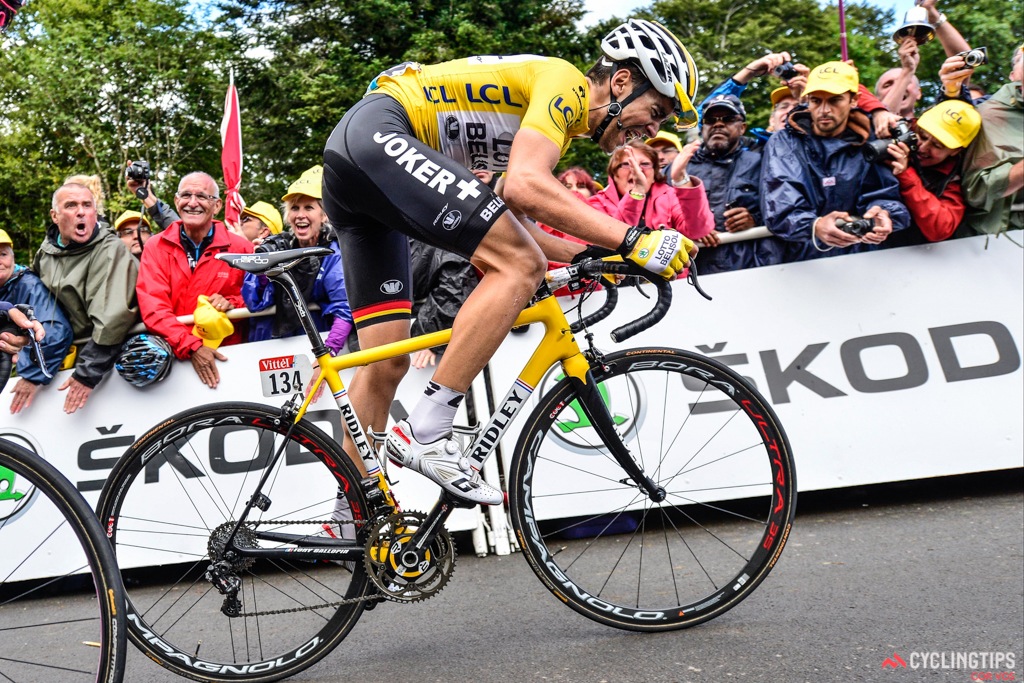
x: 636, y: 186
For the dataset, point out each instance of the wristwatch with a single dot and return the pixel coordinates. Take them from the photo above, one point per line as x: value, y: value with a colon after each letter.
x: 942, y: 20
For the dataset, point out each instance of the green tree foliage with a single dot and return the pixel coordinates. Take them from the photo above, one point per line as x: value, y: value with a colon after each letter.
x: 87, y: 86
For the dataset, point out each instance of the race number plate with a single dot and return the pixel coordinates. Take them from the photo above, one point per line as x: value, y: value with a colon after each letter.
x: 285, y: 375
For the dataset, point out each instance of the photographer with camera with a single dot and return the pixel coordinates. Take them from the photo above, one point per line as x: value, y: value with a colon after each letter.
x: 778, y: 64
x: 137, y: 176
x: 994, y: 164
x: 814, y: 174
x: 926, y: 162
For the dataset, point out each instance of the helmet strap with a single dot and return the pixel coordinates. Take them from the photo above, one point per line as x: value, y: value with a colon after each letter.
x: 616, y: 107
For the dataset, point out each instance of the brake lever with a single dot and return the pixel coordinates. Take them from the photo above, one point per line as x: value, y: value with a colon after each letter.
x: 691, y: 277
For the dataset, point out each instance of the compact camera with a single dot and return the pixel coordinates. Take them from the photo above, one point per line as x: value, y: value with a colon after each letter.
x: 138, y: 171
x: 975, y: 57
x: 878, y: 150
x: 785, y: 71
x: 858, y: 226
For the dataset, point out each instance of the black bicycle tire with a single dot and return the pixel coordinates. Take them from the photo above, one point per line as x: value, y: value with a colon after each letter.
x: 583, y: 599
x: 98, y: 552
x: 132, y: 463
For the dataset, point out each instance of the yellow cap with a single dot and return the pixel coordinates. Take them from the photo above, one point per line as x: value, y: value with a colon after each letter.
x: 211, y: 325
x: 780, y: 94
x: 5, y: 238
x: 129, y: 216
x: 954, y: 123
x: 664, y: 136
x: 270, y: 216
x: 310, y: 184
x: 833, y: 77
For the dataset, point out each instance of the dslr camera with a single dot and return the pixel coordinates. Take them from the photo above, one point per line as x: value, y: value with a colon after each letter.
x: 785, y: 71
x: 858, y: 226
x: 975, y: 57
x: 878, y: 150
x: 138, y: 171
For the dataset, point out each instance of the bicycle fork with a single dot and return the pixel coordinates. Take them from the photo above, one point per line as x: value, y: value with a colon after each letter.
x: 596, y: 410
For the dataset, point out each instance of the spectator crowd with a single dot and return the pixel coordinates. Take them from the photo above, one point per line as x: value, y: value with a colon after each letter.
x: 836, y: 169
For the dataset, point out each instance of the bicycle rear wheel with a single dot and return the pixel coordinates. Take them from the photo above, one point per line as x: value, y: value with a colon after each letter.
x: 61, y: 599
x: 176, y: 494
x: 601, y: 545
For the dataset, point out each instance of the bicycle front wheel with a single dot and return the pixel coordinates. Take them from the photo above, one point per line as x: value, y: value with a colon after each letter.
x: 61, y: 599
x: 174, y: 498
x: 602, y: 545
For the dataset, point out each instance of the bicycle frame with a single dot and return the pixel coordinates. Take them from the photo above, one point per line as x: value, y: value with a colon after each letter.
x: 558, y: 345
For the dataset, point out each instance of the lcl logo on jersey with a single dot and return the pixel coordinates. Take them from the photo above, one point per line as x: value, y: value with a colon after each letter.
x: 392, y: 287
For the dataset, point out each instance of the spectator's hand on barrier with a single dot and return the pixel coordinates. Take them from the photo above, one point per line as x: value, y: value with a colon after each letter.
x: 883, y: 225
x: 826, y: 232
x: 882, y: 120
x: 422, y: 359
x: 204, y: 362
x: 900, y: 154
x: 662, y: 252
x: 219, y: 302
x: 710, y: 240
x: 78, y: 394
x: 738, y: 219
x: 953, y: 72
x: 24, y: 392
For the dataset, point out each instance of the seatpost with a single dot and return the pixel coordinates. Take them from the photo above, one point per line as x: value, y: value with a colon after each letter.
x: 285, y: 280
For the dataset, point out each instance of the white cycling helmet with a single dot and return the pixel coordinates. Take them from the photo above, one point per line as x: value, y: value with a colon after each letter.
x: 663, y: 60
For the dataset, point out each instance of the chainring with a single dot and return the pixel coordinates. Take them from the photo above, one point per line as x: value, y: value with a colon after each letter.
x: 401, y: 574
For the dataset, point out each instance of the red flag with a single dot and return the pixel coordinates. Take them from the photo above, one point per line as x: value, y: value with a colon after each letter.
x: 231, y: 156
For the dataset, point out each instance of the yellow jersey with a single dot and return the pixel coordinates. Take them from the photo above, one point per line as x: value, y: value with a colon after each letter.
x: 470, y: 109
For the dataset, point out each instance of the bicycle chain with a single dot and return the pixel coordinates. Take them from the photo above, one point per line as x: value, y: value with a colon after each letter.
x: 308, y: 608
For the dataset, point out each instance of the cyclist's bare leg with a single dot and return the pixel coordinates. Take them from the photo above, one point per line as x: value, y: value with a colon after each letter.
x: 513, y: 267
x: 373, y: 387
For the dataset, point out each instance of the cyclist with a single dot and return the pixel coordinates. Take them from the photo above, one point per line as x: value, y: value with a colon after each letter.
x: 399, y: 162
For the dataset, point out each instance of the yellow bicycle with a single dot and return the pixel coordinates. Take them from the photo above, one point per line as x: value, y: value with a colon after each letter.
x: 651, y: 489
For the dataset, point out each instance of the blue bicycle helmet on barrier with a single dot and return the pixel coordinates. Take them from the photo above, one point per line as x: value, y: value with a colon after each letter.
x: 144, y: 359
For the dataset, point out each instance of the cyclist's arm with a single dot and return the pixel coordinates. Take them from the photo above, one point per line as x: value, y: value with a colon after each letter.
x: 532, y: 189
x: 554, y: 248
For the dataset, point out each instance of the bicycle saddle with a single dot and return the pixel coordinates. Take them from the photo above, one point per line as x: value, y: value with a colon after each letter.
x: 261, y: 262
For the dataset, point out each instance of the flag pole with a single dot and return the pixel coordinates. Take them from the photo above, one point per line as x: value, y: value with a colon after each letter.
x: 842, y: 32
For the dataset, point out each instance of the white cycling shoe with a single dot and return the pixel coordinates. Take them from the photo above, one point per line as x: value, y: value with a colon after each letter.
x: 442, y: 462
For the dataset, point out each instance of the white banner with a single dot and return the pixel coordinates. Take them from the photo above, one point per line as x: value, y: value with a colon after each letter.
x: 888, y: 366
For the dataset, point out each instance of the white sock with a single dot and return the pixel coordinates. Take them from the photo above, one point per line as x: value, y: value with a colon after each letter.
x: 433, y: 415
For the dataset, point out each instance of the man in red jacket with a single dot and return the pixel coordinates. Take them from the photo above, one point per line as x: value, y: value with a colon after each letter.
x: 178, y: 265
x: 930, y: 177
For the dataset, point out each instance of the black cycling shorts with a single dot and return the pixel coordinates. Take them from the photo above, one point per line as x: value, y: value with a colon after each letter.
x: 380, y: 184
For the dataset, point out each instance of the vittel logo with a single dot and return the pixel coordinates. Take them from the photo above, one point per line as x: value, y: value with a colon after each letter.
x: 392, y: 287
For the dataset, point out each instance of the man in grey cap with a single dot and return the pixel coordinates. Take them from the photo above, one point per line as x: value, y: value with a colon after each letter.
x: 732, y: 174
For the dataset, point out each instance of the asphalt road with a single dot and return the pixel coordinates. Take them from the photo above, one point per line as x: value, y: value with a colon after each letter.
x: 868, y: 575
